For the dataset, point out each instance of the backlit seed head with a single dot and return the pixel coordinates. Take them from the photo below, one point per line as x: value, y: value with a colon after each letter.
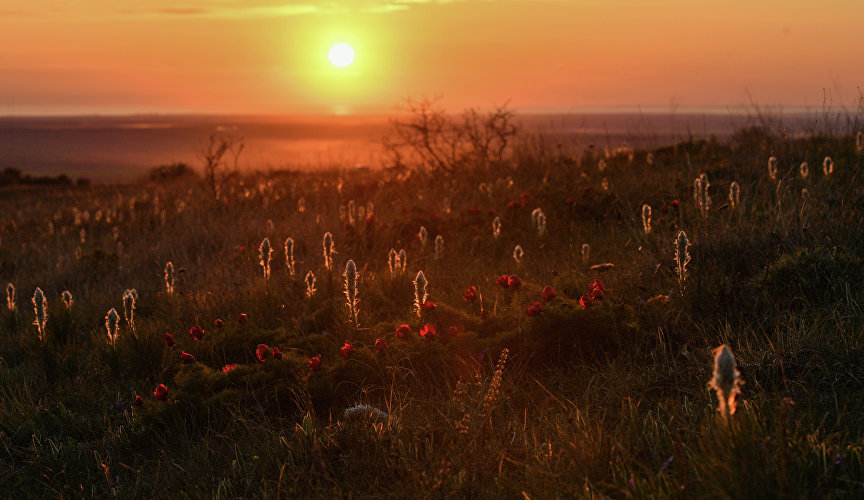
x: 264, y: 251
x: 289, y: 256
x: 352, y: 285
x: 403, y: 261
x: 439, y: 247
x: 10, y: 297
x: 67, y: 299
x: 496, y: 227
x: 423, y: 236
x: 518, y: 253
x: 169, y: 278
x: 646, y: 218
x: 310, y: 284
x: 420, y: 292
x: 772, y: 167
x: 804, y: 170
x: 40, y: 308
x: 827, y: 166
x: 129, y: 298
x: 586, y: 251
x: 734, y: 195
x: 725, y: 380
x: 112, y: 323
x: 329, y: 250
x: 682, y: 258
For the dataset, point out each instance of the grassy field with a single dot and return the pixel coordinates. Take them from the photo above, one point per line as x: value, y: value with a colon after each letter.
x: 610, y: 400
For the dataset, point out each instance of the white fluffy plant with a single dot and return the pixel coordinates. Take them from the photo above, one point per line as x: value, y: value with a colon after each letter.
x: 734, y: 195
x: 423, y: 236
x: 352, y: 286
x: 10, y: 297
x: 264, y: 254
x: 586, y: 252
x: 66, y: 296
x: 439, y: 247
x: 726, y: 381
x: 310, y: 284
x: 827, y: 166
x: 169, y: 278
x: 772, y: 168
x: 40, y: 309
x: 496, y: 227
x: 646, y: 218
x: 703, y: 199
x: 393, y: 263
x: 112, y: 326
x: 420, y: 292
x: 682, y: 258
x: 518, y: 254
x: 329, y: 250
x: 129, y: 298
x: 289, y: 256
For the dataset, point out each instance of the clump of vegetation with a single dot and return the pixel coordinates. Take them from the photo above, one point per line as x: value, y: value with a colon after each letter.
x: 558, y: 345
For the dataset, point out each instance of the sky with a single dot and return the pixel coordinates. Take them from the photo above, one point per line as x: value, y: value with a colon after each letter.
x: 270, y: 56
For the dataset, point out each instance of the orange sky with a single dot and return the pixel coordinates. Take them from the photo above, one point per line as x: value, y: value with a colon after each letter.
x: 270, y: 56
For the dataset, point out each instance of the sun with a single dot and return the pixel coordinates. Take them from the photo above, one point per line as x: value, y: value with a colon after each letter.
x: 341, y: 54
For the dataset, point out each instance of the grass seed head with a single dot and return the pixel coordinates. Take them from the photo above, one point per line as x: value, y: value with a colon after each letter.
x: 586, y: 251
x: 112, y: 323
x: 289, y: 256
x: 772, y: 168
x: 310, y: 284
x: 518, y: 253
x: 827, y: 166
x: 646, y: 218
x: 40, y: 308
x: 329, y: 250
x: 10, y: 297
x: 496, y: 227
x: 352, y: 284
x: 804, y: 170
x: 67, y: 299
x: 734, y: 195
x: 439, y: 247
x: 682, y: 258
x: 725, y: 380
x: 420, y: 292
x: 264, y: 251
x: 169, y: 278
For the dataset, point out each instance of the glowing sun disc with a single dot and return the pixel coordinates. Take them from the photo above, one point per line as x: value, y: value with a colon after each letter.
x: 341, y: 55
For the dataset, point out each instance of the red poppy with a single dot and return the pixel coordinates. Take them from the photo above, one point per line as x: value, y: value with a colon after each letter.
x: 453, y: 331
x: 185, y: 357
x: 138, y: 400
x: 502, y: 280
x: 514, y: 282
x: 197, y: 332
x: 242, y: 317
x: 161, y: 392
x: 513, y: 204
x: 525, y: 197
x: 586, y: 301
x: 548, y: 293
x: 428, y: 331
x: 169, y: 339
x: 597, y: 290
x: 428, y: 305
x: 277, y: 354
x: 675, y: 204
x: 262, y: 351
x: 587, y: 188
x: 380, y: 345
x: 534, y: 309
x: 314, y: 363
x: 370, y: 219
x: 470, y: 294
x: 346, y: 350
x: 228, y: 368
x: 571, y: 200
x: 403, y: 331
x: 218, y: 323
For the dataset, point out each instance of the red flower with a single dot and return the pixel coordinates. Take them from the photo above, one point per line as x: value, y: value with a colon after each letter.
x: 525, y: 197
x: 513, y: 204
x: 161, y: 392
x: 428, y: 331
x: 138, y: 400
x: 314, y: 363
x: 370, y: 219
x: 586, y: 301
x: 277, y: 354
x: 534, y: 309
x: 262, y: 351
x: 228, y: 368
x: 218, y: 323
x: 453, y: 331
x: 514, y: 282
x: 597, y: 290
x: 197, y: 332
x: 380, y: 345
x: 428, y: 305
x: 675, y: 204
x: 571, y: 200
x: 185, y: 357
x: 242, y: 317
x: 346, y: 350
x: 403, y: 331
x: 502, y: 280
x: 548, y: 294
x: 587, y: 188
x: 169, y: 339
x: 470, y: 294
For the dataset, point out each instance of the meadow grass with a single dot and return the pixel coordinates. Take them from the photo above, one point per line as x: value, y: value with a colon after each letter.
x: 608, y: 401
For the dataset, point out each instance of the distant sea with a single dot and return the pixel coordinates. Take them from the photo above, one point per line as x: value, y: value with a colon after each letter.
x: 124, y: 148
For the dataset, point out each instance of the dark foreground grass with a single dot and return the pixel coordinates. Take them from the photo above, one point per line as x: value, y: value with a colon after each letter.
x: 609, y: 401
